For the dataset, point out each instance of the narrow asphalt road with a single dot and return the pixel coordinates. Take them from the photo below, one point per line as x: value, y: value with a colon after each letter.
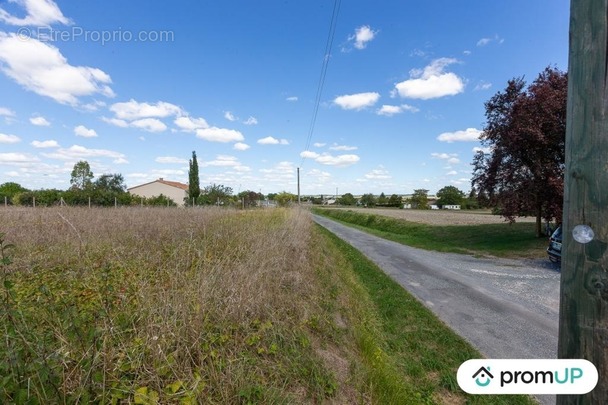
x: 507, y: 309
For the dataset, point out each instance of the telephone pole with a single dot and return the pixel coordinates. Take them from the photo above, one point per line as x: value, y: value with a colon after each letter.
x: 298, y: 186
x: 583, y: 326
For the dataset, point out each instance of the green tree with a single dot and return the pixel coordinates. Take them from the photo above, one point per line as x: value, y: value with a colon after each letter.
x: 420, y: 199
x: 82, y: 176
x: 159, y: 201
x: 347, y: 199
x: 394, y: 201
x: 9, y: 190
x: 215, y: 194
x: 194, y: 187
x: 284, y: 199
x: 110, y: 182
x: 368, y: 200
x: 382, y: 200
x: 450, y: 195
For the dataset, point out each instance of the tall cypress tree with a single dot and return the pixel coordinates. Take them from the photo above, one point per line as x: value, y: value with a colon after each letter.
x: 194, y: 188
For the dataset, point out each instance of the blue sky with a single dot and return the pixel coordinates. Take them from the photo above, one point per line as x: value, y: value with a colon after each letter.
x: 134, y: 87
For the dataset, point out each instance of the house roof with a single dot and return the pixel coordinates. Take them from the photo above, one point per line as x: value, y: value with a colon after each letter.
x: 175, y: 184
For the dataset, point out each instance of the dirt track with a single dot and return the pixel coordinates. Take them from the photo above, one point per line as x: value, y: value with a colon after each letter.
x: 440, y: 217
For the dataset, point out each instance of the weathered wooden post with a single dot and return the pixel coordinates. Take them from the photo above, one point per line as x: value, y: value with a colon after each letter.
x: 583, y: 327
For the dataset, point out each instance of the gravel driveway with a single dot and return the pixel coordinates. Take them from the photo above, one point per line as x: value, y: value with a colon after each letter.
x: 507, y: 309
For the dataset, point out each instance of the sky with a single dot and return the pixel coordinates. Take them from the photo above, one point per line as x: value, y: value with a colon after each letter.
x: 134, y: 87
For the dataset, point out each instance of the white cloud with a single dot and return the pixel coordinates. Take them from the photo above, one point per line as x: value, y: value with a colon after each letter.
x: 269, y: 140
x: 451, y: 158
x: 120, y: 161
x: 452, y: 173
x: 357, y: 101
x: 80, y: 152
x: 468, y: 135
x: 342, y: 147
x: 378, y: 174
x: 6, y: 138
x: 116, y: 122
x: 318, y: 144
x: 222, y: 161
x: 94, y: 106
x: 339, y: 161
x: 85, y: 132
x: 251, y: 121
x: 318, y: 175
x: 45, y: 144
x: 362, y: 36
x: 330, y: 160
x: 281, y: 172
x: 189, y: 124
x: 39, y: 13
x: 132, y: 110
x: 40, y: 121
x: 241, y: 146
x: 482, y: 86
x: 487, y: 41
x: 149, y: 124
x: 292, y: 98
x: 229, y: 116
x: 41, y: 68
x: 309, y: 155
x: 17, y: 158
x: 431, y: 82
x: 226, y: 161
x: 170, y: 160
x: 390, y: 110
x: 5, y: 112
x: 215, y: 134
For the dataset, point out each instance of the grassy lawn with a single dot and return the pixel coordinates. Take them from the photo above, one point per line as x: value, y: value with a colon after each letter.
x: 503, y: 240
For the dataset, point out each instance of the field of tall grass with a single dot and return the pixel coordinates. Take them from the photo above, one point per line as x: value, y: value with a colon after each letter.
x: 188, y: 306
x: 164, y: 305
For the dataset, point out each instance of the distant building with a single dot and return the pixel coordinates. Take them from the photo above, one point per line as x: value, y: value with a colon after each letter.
x: 174, y: 190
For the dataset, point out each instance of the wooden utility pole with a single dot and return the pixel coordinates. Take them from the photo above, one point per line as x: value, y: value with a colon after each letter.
x: 583, y: 326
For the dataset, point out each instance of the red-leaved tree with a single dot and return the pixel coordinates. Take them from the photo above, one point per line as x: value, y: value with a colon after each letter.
x: 522, y: 169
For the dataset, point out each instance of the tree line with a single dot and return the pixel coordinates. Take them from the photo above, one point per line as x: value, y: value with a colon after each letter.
x: 110, y: 190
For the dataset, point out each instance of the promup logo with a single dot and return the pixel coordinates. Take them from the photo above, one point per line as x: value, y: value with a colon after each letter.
x: 483, y: 374
x: 527, y: 376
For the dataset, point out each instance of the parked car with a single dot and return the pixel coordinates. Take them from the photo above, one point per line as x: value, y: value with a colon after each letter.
x: 555, y: 245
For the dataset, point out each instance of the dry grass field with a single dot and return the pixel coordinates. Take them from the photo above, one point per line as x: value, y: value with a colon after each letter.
x: 165, y: 305
x: 439, y: 217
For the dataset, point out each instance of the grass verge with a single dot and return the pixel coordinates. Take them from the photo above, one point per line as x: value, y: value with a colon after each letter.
x: 503, y: 240
x: 409, y: 350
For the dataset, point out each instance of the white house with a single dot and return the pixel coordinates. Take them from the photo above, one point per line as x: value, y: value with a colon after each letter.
x: 174, y: 190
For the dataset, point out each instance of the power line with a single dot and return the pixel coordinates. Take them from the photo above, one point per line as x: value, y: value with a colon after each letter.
x: 327, y: 55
